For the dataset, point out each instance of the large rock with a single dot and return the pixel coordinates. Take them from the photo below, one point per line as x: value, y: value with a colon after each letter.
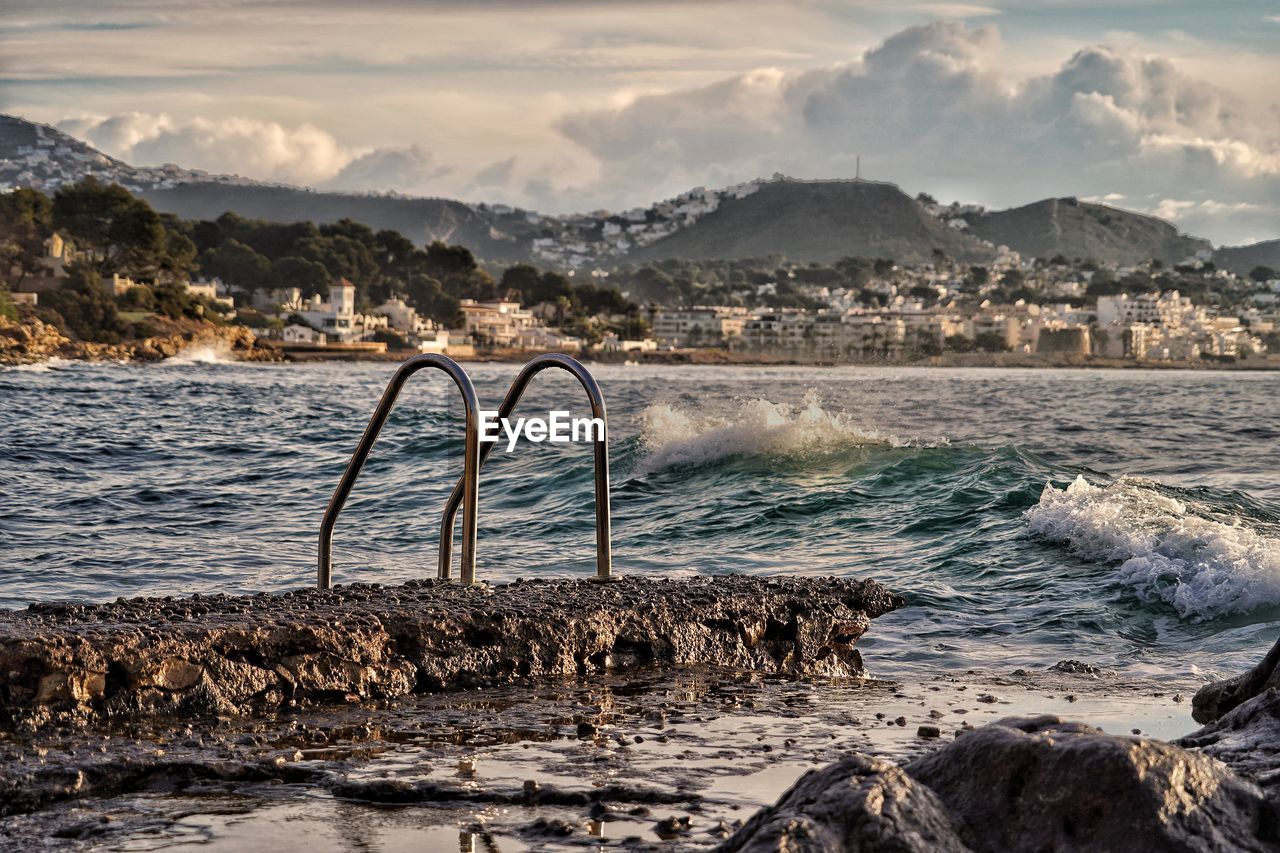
x: 231, y: 654
x: 1021, y: 784
x: 1246, y: 738
x: 857, y: 804
x: 1214, y: 700
x: 1043, y: 784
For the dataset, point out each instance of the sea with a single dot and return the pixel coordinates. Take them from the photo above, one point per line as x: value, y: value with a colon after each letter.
x: 1125, y: 518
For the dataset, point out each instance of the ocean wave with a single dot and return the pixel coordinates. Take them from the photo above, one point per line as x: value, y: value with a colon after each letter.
x: 1168, y: 549
x: 52, y: 363
x: 672, y: 437
x: 219, y: 353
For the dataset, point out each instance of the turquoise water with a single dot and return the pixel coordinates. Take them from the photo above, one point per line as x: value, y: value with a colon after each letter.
x: 1129, y: 518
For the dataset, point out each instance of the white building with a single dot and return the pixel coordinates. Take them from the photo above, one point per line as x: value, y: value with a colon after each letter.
x: 299, y: 334
x: 337, y: 318
x: 497, y: 324
x: 699, y: 326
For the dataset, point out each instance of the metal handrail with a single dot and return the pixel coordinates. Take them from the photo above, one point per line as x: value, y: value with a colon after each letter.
x: 604, y: 551
x: 466, y: 491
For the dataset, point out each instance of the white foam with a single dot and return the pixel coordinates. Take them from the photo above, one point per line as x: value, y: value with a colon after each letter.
x: 673, y: 437
x: 1168, y: 551
x: 219, y: 353
x: 52, y: 363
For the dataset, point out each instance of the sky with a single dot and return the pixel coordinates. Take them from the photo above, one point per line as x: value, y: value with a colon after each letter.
x: 1171, y: 108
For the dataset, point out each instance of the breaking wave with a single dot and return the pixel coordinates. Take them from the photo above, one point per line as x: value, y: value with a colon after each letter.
x: 672, y: 437
x: 219, y: 353
x: 1167, y: 549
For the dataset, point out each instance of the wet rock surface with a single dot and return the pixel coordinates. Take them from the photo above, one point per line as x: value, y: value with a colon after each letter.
x: 673, y: 760
x: 1214, y: 700
x: 225, y: 655
x: 1021, y: 784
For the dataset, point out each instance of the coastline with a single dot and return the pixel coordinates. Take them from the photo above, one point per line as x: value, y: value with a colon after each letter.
x: 639, y: 754
x: 35, y: 342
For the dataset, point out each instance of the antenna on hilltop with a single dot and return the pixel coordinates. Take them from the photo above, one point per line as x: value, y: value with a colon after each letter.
x: 857, y: 168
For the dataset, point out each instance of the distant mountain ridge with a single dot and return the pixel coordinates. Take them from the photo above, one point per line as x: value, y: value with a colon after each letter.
x: 1078, y: 229
x: 802, y: 220
x: 818, y: 221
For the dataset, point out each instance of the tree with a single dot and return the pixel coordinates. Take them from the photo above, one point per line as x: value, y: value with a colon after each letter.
x: 8, y: 308
x: 990, y: 342
x: 1262, y: 273
x: 238, y: 265
x: 959, y: 343
x: 428, y: 296
x: 26, y: 222
x: 310, y: 277
x: 172, y: 300
x: 118, y: 232
x: 84, y: 306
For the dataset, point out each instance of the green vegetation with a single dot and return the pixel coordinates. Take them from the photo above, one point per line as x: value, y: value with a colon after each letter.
x: 8, y: 309
x: 116, y: 233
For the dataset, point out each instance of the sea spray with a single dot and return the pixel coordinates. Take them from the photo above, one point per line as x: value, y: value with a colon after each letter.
x: 215, y: 353
x: 1167, y: 549
x: 673, y: 437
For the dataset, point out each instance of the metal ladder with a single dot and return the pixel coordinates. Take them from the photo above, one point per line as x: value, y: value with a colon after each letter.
x: 466, y: 491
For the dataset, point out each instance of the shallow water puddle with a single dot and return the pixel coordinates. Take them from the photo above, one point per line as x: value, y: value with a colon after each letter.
x: 649, y: 760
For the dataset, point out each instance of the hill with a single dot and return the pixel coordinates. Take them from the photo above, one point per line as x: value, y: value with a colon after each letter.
x: 1241, y: 260
x: 420, y: 219
x: 816, y: 221
x: 803, y: 220
x: 1077, y: 229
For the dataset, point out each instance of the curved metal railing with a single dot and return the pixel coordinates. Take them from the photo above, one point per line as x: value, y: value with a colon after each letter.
x: 466, y: 491
x: 604, y: 552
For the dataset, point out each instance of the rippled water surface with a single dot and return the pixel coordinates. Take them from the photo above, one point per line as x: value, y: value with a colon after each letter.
x: 1129, y: 518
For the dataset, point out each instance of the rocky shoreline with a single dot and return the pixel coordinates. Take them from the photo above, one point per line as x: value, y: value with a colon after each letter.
x: 560, y: 712
x: 35, y: 342
x: 224, y: 655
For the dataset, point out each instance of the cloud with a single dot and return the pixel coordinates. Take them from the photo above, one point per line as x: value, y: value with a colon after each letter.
x: 932, y: 108
x: 408, y: 170
x: 266, y: 150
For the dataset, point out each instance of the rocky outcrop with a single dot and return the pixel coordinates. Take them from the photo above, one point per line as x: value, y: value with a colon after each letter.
x: 1247, y: 738
x: 30, y: 342
x: 33, y: 341
x: 1214, y: 700
x: 858, y: 803
x: 1021, y: 784
x: 232, y: 654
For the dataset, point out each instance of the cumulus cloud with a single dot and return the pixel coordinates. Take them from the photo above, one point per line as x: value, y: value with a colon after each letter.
x: 408, y: 170
x: 931, y: 108
x: 266, y: 150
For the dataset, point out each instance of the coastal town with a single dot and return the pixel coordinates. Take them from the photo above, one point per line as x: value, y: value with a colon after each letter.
x: 872, y: 312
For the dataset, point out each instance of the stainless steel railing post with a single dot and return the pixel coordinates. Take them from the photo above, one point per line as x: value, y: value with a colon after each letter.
x: 604, y: 549
x: 467, y: 489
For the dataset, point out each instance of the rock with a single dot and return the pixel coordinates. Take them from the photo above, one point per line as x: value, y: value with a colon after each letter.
x: 33, y: 340
x: 1214, y: 700
x: 1246, y: 738
x: 857, y: 804
x: 1021, y: 784
x: 1044, y: 784
x: 671, y: 827
x: 1075, y: 667
x: 223, y: 655
x: 928, y: 731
